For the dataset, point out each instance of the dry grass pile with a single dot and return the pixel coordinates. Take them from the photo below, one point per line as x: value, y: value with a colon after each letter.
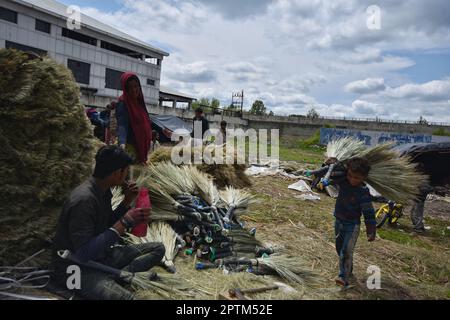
x: 47, y: 149
x: 223, y: 174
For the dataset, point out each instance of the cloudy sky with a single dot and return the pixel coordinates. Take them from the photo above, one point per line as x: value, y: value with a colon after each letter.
x: 335, y: 56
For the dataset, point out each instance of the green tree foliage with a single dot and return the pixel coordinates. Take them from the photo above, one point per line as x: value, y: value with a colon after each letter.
x: 312, y: 114
x: 258, y: 108
x: 215, y: 103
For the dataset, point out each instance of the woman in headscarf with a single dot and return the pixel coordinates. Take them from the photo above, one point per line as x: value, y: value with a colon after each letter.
x: 134, y: 124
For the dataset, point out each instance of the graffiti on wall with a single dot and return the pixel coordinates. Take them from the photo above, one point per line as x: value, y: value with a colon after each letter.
x: 372, y: 138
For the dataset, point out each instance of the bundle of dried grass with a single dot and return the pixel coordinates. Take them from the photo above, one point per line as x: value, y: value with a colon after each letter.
x: 237, y: 201
x: 160, y: 232
x: 162, y: 191
x: 47, y: 145
x: 293, y: 269
x: 344, y: 148
x: 223, y: 174
x: 393, y: 176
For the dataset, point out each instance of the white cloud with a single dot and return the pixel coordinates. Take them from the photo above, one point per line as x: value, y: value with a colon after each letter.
x: 368, y: 85
x: 364, y: 107
x: 198, y: 71
x: 437, y: 90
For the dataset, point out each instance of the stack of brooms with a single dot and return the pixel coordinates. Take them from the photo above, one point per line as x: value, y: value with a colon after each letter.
x: 47, y: 147
x: 206, y: 222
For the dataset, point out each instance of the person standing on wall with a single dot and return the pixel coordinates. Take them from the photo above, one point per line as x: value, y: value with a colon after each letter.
x: 134, y: 124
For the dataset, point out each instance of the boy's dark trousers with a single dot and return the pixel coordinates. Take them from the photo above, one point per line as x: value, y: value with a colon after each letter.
x: 97, y: 285
x: 347, y: 233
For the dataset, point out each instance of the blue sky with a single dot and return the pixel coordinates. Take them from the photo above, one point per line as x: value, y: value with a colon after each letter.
x: 111, y: 6
x: 299, y: 54
x: 428, y: 65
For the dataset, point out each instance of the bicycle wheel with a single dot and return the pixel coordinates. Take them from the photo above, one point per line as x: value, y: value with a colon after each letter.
x: 382, y: 215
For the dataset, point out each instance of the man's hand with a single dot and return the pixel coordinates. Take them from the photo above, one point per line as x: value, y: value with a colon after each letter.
x: 123, y: 146
x: 138, y: 216
x: 132, y: 218
x: 130, y: 191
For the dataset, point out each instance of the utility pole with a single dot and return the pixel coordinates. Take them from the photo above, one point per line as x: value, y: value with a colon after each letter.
x: 237, y: 100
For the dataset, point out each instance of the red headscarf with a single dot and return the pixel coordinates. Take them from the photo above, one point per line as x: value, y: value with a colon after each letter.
x: 139, y: 118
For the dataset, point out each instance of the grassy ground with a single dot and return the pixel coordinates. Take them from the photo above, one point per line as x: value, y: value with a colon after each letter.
x: 303, y: 151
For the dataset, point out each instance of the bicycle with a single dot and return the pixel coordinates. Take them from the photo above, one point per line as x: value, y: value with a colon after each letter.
x: 390, y: 212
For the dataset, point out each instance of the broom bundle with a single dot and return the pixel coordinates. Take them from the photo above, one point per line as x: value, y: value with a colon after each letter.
x: 393, y: 176
x: 237, y: 201
x: 189, y: 200
x: 292, y: 269
x: 344, y: 148
x: 160, y: 232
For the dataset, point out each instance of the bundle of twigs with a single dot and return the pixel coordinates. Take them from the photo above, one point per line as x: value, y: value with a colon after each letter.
x: 344, y: 148
x: 393, y: 176
x: 292, y: 269
x: 237, y: 202
x: 160, y: 232
x: 164, y: 206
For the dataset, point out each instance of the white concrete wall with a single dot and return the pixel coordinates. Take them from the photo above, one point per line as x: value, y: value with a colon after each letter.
x: 61, y: 49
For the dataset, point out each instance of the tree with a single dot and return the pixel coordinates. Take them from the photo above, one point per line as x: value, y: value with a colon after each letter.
x: 312, y: 114
x: 271, y: 113
x: 422, y: 120
x: 203, y: 103
x: 215, y: 103
x: 258, y: 108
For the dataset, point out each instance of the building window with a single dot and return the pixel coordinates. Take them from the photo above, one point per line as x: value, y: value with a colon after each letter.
x: 79, y: 37
x: 118, y: 49
x: 113, y: 79
x: 43, y: 26
x: 151, y: 82
x: 21, y: 47
x: 8, y: 15
x: 152, y: 60
x: 81, y: 70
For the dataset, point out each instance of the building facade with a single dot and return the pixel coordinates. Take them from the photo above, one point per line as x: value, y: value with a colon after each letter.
x: 96, y: 53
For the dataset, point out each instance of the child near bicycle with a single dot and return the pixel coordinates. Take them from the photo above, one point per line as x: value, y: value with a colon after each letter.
x: 354, y: 200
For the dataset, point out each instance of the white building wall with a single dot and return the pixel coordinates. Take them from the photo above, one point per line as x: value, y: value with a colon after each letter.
x: 61, y: 49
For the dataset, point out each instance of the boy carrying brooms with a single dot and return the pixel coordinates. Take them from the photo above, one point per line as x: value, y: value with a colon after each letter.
x: 354, y: 200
